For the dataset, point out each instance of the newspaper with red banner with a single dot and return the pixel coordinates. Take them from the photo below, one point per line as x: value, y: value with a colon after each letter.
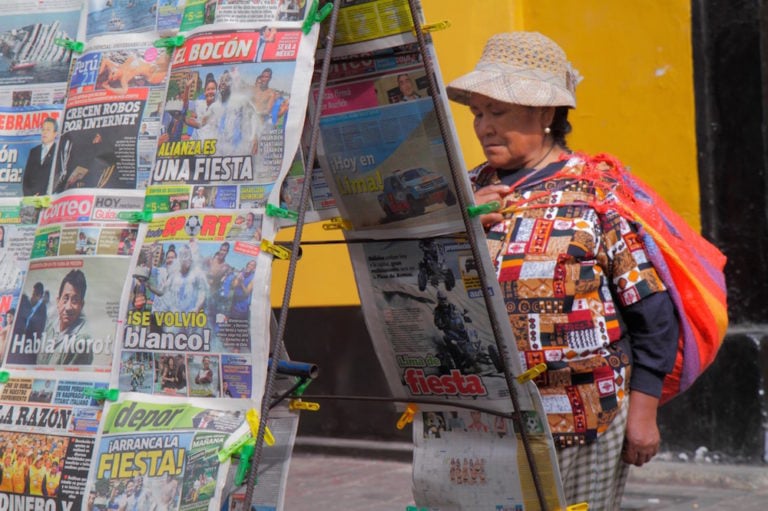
x: 194, y: 313
x: 113, y: 112
x: 47, y: 435
x: 234, y: 111
x: 67, y: 313
x: 33, y: 66
x: 27, y: 148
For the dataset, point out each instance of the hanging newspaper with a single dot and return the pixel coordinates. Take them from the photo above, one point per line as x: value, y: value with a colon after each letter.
x: 67, y: 313
x: 27, y: 148
x: 17, y: 235
x: 194, y: 311
x: 259, y: 11
x: 152, y: 454
x: 426, y: 314
x: 381, y: 149
x: 377, y: 23
x: 33, y: 67
x: 112, y: 116
x: 234, y: 109
x: 136, y: 16
x: 47, y: 432
x: 269, y: 494
x: 463, y: 460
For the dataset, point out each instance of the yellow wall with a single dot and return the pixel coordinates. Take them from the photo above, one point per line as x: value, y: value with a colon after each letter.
x: 636, y: 101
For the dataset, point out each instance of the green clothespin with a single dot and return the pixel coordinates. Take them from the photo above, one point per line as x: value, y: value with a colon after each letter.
x: 227, y: 452
x: 38, y: 201
x: 169, y: 42
x: 244, y: 465
x: 303, y: 387
x: 135, y: 217
x: 315, y: 15
x: 483, y: 209
x: 102, y: 394
x: 70, y: 44
x: 281, y: 213
x: 4, y: 376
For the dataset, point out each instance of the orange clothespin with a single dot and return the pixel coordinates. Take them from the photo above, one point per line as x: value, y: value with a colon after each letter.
x: 407, y: 416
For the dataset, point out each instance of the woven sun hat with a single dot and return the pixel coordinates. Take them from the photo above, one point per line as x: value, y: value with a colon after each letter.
x: 524, y: 68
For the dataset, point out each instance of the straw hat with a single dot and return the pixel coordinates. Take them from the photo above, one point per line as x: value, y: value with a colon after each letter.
x: 524, y: 68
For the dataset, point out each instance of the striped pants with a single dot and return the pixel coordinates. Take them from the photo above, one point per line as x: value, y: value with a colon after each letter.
x: 595, y: 473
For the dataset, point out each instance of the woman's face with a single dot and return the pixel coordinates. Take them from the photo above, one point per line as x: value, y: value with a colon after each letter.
x: 512, y: 136
x: 210, y: 92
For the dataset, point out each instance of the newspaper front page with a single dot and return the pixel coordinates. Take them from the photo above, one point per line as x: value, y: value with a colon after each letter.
x: 382, y: 152
x: 152, y: 454
x: 234, y: 110
x: 113, y: 114
x: 47, y: 433
x: 80, y: 247
x: 33, y: 76
x: 194, y: 310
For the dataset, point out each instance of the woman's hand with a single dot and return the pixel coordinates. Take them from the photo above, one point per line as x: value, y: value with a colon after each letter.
x: 642, y: 438
x: 488, y: 194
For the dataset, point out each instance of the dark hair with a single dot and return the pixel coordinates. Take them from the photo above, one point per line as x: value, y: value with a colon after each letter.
x: 53, y: 121
x: 38, y: 288
x: 76, y: 279
x: 209, y: 79
x: 560, y: 126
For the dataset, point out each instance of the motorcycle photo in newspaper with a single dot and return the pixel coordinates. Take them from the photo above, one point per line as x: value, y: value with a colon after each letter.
x: 460, y: 346
x: 432, y: 267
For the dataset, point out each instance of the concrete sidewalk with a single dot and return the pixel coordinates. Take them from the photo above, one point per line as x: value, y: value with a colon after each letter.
x: 332, y: 474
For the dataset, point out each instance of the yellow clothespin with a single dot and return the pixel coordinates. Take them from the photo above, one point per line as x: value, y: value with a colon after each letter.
x: 532, y: 373
x: 276, y: 250
x: 432, y: 27
x: 252, y: 416
x: 337, y: 223
x: 38, y: 201
x: 298, y: 404
x: 407, y: 416
x: 581, y: 506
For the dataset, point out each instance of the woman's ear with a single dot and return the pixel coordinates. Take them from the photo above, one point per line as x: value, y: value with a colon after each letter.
x: 547, y: 116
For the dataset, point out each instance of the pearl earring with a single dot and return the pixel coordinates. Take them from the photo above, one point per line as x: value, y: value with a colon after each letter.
x: 547, y: 131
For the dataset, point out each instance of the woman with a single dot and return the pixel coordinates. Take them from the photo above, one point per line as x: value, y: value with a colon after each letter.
x: 118, y: 77
x: 580, y: 291
x: 170, y: 378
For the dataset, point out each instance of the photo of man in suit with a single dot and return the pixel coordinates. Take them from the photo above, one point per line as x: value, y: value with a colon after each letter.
x: 37, y: 171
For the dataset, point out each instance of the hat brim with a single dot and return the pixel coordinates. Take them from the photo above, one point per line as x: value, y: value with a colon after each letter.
x: 509, y: 89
